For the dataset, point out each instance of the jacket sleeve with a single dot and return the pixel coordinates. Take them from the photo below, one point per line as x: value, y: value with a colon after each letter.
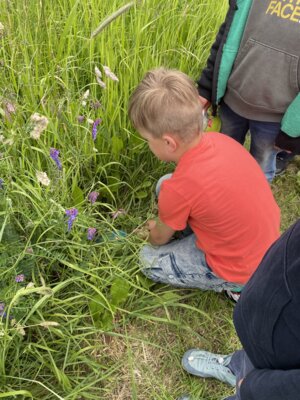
x: 206, y: 78
x: 262, y: 384
x: 289, y: 136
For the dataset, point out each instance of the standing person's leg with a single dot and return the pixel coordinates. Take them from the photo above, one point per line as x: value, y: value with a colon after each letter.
x: 282, y: 161
x: 232, y: 124
x: 262, y: 148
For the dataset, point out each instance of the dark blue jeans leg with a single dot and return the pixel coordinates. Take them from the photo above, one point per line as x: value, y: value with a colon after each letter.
x: 262, y: 148
x: 240, y: 365
x: 232, y: 124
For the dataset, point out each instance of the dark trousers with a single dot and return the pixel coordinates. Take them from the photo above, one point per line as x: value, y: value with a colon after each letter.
x: 240, y: 365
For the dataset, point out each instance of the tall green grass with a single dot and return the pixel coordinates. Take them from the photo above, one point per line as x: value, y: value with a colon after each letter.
x: 85, y: 324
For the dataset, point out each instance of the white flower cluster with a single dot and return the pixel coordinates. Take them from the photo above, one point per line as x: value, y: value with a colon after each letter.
x: 85, y: 97
x: 42, y: 177
x: 40, y: 124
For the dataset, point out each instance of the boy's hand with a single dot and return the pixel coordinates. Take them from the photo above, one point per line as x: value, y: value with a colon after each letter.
x: 151, y: 224
x: 159, y: 233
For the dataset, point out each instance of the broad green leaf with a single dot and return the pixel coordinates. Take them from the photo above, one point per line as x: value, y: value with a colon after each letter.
x: 78, y: 196
x: 96, y: 306
x: 141, y: 194
x: 119, y: 291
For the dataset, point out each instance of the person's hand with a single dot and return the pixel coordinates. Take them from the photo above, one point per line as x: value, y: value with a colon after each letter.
x: 287, y: 143
x: 279, y: 149
x: 240, y: 382
x: 205, y: 103
x: 151, y: 224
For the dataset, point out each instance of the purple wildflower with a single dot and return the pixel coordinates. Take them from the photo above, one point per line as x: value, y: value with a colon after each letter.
x: 93, y: 196
x: 20, y: 278
x: 80, y: 118
x: 95, y: 125
x: 1, y: 183
x: 2, y: 305
x: 54, y: 153
x: 72, y: 214
x: 91, y: 232
x: 117, y: 213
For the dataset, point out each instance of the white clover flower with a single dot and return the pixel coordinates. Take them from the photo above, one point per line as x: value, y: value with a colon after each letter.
x: 110, y: 74
x: 1, y: 28
x: 40, y: 123
x: 39, y: 119
x: 36, y: 132
x: 43, y: 178
x: 90, y: 121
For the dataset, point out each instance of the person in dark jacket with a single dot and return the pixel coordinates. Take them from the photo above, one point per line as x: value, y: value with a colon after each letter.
x: 267, y: 321
x: 254, y: 75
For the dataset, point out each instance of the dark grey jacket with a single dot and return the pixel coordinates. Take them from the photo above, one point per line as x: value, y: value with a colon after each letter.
x: 267, y: 321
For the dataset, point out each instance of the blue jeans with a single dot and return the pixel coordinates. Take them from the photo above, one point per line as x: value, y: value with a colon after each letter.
x: 263, y: 136
x: 240, y: 366
x: 181, y: 263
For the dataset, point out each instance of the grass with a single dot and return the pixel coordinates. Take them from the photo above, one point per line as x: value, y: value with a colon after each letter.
x: 85, y: 324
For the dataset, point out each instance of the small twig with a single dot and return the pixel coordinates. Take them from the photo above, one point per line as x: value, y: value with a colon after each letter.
x: 112, y: 17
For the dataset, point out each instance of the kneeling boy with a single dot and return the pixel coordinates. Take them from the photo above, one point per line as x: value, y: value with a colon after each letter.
x: 217, y: 189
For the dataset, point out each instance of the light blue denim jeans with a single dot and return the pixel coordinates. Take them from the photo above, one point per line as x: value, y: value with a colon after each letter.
x: 181, y: 263
x: 263, y: 136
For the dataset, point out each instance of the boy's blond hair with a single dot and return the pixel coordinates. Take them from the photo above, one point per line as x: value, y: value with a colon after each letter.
x: 166, y: 101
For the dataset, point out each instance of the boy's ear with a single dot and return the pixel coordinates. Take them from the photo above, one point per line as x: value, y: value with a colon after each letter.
x: 170, y: 142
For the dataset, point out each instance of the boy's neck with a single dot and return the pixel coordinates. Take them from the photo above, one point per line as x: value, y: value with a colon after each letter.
x: 184, y: 147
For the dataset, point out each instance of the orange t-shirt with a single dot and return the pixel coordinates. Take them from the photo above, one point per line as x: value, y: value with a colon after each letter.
x: 219, y: 190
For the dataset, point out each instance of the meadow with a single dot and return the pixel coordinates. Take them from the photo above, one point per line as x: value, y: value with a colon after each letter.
x: 77, y: 319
